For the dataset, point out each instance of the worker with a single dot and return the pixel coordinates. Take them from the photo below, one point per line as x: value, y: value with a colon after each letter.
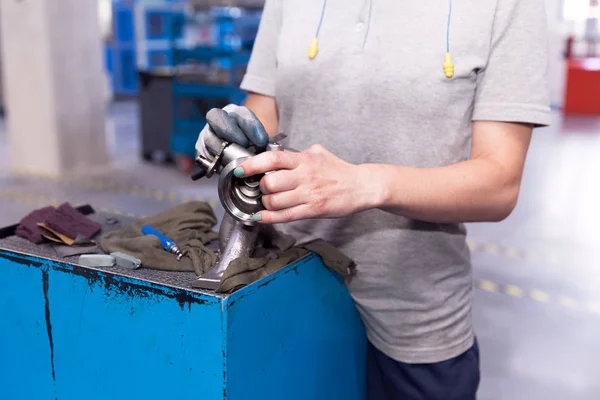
x: 411, y: 118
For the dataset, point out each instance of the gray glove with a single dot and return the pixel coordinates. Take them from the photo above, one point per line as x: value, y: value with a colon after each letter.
x: 234, y: 124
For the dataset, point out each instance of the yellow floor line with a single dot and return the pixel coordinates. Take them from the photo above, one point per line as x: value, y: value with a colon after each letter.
x: 594, y: 308
x: 491, y: 248
x: 514, y: 253
x: 472, y: 245
x: 29, y: 199
x: 513, y: 290
x: 568, y: 302
x: 488, y: 286
x: 538, y: 296
x: 114, y: 187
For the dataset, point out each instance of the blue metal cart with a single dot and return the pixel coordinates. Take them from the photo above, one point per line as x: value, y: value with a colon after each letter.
x: 74, y: 332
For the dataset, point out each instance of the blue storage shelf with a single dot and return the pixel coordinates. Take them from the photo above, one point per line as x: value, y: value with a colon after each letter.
x: 120, y: 53
x: 234, y: 29
x: 163, y: 24
x: 159, y: 58
x: 227, y: 57
x: 156, y: 33
x: 108, y: 59
x: 123, y: 23
x: 203, y: 90
x: 190, y: 125
x: 153, y: 54
x: 184, y: 136
x: 155, y: 29
x: 122, y: 61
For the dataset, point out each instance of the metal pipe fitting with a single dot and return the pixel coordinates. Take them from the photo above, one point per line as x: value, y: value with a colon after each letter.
x: 241, y: 199
x: 240, y: 242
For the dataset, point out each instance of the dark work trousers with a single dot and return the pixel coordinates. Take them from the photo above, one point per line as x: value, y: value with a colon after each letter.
x: 454, y: 379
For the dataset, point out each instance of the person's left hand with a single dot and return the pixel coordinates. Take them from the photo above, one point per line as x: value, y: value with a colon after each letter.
x: 311, y: 184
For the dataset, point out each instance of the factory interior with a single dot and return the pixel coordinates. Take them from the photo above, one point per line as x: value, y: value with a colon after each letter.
x: 102, y: 106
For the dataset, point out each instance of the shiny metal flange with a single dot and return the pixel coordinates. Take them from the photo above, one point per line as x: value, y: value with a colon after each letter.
x: 241, y: 197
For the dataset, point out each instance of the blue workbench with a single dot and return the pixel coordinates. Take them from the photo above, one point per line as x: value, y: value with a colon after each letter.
x: 73, y: 332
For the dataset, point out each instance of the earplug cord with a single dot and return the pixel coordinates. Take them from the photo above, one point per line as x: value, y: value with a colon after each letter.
x: 321, y: 20
x: 313, y: 49
x: 448, y: 63
x: 448, y: 27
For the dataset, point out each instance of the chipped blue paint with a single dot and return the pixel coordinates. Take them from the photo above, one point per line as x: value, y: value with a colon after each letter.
x: 23, y: 338
x: 69, y: 332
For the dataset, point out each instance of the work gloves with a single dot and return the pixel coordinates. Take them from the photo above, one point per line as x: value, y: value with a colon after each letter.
x: 234, y: 124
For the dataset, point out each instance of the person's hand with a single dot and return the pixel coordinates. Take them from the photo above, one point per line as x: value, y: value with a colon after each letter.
x: 234, y: 124
x: 311, y: 184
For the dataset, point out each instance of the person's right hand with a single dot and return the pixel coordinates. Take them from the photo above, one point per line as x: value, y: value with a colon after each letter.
x: 234, y: 124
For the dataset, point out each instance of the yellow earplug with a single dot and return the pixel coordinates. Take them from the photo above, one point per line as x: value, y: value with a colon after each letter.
x: 313, y: 49
x: 449, y: 66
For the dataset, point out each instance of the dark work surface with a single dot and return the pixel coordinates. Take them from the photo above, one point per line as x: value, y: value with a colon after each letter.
x: 179, y: 280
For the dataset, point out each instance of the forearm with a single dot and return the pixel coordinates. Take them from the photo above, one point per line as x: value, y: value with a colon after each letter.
x: 470, y: 191
x: 265, y: 109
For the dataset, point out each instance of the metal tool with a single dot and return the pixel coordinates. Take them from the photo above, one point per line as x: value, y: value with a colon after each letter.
x: 126, y: 261
x: 96, y: 260
x: 168, y: 244
x: 241, y: 199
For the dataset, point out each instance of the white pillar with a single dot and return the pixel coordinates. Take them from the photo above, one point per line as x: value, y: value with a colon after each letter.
x: 54, y: 85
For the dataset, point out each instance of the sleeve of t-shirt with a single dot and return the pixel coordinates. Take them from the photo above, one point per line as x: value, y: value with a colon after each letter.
x: 513, y: 87
x: 260, y: 73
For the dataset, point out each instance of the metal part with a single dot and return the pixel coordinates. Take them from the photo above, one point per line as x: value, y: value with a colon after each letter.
x: 126, y: 261
x: 96, y: 260
x: 111, y: 221
x: 275, y: 140
x: 240, y: 244
x: 210, y: 166
x: 278, y: 138
x: 233, y: 152
x: 167, y: 244
x: 241, y: 199
x: 274, y: 147
x: 227, y: 225
x: 175, y: 250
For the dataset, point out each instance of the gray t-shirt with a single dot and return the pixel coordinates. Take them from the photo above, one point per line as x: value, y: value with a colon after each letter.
x: 377, y: 93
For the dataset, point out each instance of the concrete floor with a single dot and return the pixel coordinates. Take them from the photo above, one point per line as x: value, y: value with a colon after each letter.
x: 537, y: 303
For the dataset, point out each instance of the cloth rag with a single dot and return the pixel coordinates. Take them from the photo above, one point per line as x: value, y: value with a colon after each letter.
x: 244, y: 271
x: 28, y: 226
x: 189, y: 224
